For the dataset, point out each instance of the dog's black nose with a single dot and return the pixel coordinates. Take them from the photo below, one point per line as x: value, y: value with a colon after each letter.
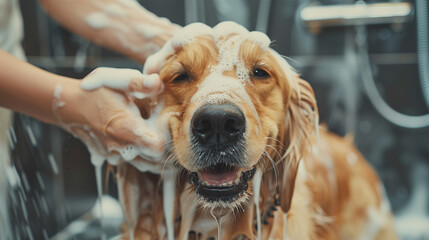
x: 218, y: 124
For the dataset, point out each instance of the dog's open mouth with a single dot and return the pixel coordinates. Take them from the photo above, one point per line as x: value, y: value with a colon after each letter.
x: 221, y: 182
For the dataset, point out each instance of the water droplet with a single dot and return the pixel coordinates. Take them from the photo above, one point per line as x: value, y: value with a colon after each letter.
x: 219, y: 217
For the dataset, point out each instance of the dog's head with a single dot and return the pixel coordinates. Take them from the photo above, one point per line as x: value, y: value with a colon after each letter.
x: 237, y: 106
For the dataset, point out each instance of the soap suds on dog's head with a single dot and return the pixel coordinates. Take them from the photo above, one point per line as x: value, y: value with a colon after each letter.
x: 226, y: 28
x: 190, y: 32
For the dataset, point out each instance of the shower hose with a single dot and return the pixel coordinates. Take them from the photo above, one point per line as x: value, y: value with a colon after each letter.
x: 393, y: 116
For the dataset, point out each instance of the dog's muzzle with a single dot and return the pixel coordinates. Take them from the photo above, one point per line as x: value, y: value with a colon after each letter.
x: 219, y: 153
x: 217, y: 135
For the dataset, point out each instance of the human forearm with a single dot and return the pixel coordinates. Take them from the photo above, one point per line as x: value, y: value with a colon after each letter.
x: 27, y: 89
x: 123, y: 26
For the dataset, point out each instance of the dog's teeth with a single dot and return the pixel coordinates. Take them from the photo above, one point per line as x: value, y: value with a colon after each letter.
x: 237, y: 181
x: 225, y: 184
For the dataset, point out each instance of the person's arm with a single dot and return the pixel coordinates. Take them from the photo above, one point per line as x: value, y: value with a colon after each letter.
x: 105, y: 118
x: 123, y: 26
x: 27, y: 89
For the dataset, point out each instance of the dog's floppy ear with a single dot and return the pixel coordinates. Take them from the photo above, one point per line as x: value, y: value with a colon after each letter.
x: 301, y: 121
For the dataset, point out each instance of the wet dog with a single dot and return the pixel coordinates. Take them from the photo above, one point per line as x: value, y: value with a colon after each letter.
x: 247, y: 158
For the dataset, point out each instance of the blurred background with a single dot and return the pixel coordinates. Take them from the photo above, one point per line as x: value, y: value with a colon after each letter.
x: 369, y: 69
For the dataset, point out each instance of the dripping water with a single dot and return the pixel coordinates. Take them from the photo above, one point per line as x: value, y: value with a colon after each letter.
x: 169, y: 177
x: 256, y: 191
x: 130, y: 219
x: 97, y: 161
x: 219, y: 217
x: 131, y: 232
x: 284, y: 226
x: 316, y: 123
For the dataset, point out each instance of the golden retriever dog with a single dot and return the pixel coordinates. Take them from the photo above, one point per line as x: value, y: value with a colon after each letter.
x: 247, y: 159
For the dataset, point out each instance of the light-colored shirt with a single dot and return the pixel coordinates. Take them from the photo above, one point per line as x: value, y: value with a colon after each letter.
x: 11, y: 28
x: 11, y: 35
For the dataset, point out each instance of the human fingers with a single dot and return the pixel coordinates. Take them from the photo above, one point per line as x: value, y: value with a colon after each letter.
x: 147, y: 86
x: 115, y: 78
x: 155, y: 62
x: 180, y: 37
x: 130, y: 81
x: 132, y: 129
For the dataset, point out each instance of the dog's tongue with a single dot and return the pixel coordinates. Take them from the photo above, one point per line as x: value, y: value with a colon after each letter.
x: 217, y: 178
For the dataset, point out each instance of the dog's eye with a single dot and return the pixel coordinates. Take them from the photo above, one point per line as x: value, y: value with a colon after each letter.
x: 181, y: 78
x: 260, y: 73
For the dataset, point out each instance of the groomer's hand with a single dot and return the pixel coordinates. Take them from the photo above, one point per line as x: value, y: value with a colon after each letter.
x: 100, y: 109
x: 102, y: 113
